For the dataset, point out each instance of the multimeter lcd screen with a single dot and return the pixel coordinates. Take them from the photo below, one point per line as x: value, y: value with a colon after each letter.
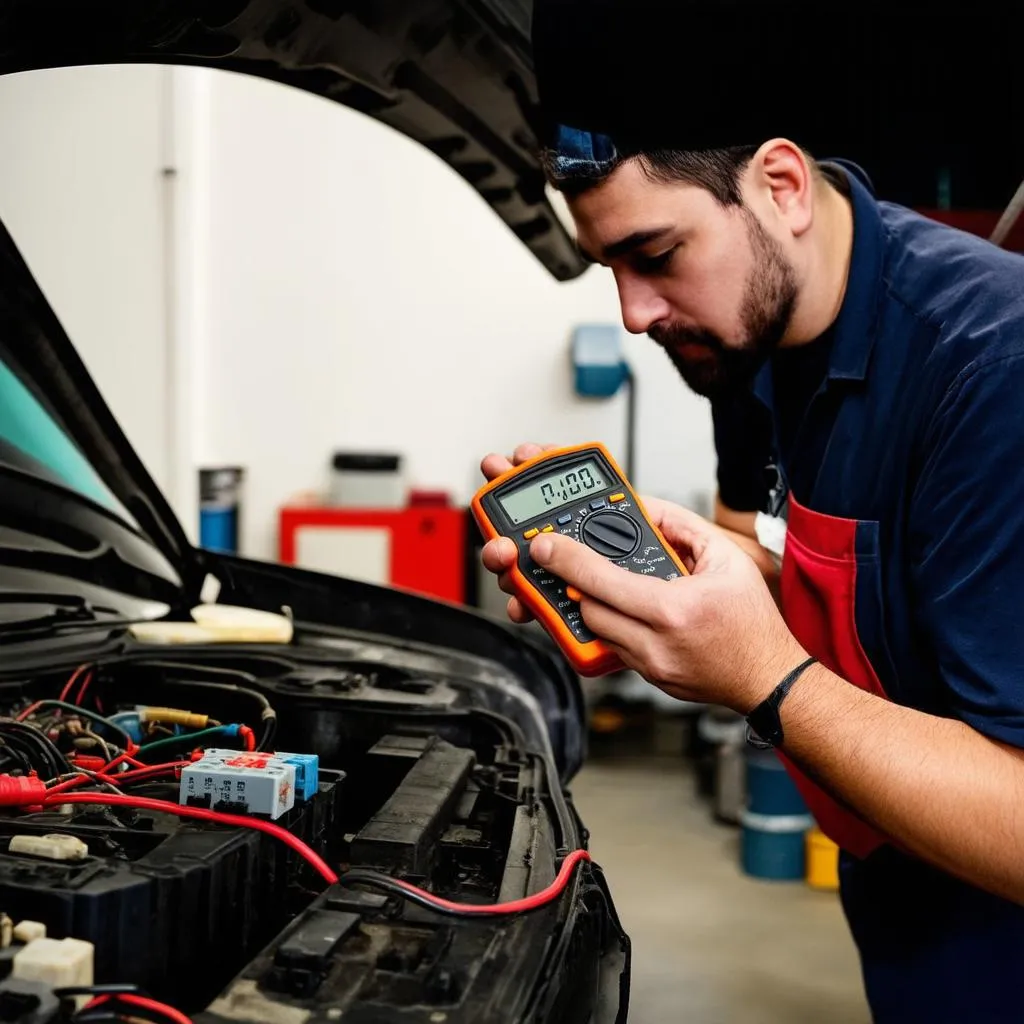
x: 552, y: 492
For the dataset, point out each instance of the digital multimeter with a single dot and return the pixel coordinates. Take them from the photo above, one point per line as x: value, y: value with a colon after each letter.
x: 581, y: 493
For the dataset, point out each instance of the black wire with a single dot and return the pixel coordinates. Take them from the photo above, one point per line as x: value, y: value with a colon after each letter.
x: 37, y: 747
x: 383, y: 883
x: 114, y: 1009
x: 267, y: 713
x: 10, y: 755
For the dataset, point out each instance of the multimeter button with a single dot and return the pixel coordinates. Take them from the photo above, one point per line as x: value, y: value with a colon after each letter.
x: 611, y: 534
x: 548, y: 529
x: 530, y: 534
x: 616, y: 498
x: 595, y: 505
x: 565, y: 520
x: 573, y: 594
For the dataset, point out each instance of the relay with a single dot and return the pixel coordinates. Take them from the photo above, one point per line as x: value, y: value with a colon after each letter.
x: 258, y: 783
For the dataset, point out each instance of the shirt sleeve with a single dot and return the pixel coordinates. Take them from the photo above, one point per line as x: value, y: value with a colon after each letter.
x: 743, y: 446
x: 966, y: 545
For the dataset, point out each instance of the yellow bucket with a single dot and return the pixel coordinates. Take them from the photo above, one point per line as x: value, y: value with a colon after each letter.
x: 822, y: 861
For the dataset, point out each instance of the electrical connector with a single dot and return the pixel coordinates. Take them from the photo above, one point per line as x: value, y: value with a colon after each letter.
x: 307, y: 773
x: 257, y: 783
x: 59, y: 963
x: 173, y: 716
x: 29, y: 931
x: 53, y: 847
x: 21, y: 790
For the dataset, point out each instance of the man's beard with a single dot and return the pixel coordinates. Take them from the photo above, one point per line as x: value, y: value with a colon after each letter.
x: 767, y: 309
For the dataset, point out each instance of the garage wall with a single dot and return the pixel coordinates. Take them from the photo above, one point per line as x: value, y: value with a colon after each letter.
x: 82, y: 193
x: 360, y: 295
x: 304, y: 280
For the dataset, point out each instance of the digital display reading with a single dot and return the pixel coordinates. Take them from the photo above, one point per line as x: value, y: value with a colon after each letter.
x: 552, y: 492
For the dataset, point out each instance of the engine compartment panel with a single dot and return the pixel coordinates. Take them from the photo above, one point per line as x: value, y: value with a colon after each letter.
x: 418, y: 782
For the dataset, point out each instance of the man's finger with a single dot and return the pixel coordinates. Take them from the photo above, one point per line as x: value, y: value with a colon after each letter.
x: 494, y: 465
x: 518, y: 612
x: 594, y: 575
x: 613, y: 626
x: 499, y: 555
x: 528, y: 451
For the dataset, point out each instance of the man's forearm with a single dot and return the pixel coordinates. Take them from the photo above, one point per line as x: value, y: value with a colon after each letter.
x: 935, y: 786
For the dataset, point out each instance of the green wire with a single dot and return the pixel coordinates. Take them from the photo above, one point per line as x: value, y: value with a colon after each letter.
x: 217, y: 730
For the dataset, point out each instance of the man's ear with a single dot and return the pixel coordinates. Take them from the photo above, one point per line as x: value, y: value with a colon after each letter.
x: 783, y: 180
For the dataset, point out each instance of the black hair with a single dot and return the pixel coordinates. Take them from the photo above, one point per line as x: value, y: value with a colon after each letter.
x: 716, y: 170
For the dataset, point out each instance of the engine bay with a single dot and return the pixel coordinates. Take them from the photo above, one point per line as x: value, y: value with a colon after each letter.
x: 252, y: 834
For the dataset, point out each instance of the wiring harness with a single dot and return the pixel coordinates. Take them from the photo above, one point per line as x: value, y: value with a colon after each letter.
x: 48, y: 767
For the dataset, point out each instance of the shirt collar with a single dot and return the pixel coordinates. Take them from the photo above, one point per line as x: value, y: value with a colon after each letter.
x: 853, y: 333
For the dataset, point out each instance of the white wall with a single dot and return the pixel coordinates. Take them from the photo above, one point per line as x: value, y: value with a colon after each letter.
x: 360, y: 295
x: 82, y: 193
x: 306, y: 280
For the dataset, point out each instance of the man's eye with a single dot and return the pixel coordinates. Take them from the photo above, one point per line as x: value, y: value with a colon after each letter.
x: 655, y: 264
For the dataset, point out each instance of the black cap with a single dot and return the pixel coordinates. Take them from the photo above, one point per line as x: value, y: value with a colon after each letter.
x: 652, y: 73
x: 836, y: 79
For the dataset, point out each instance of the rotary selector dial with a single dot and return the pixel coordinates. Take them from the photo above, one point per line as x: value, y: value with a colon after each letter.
x: 611, y: 534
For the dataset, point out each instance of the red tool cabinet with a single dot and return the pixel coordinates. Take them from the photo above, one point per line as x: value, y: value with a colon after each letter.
x: 421, y: 549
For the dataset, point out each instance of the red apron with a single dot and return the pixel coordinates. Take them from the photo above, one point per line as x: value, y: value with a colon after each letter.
x: 818, y: 589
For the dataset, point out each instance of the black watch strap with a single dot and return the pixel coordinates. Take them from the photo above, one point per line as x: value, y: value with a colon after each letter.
x: 764, y: 726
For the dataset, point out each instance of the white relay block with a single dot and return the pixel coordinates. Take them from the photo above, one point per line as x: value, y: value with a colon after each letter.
x: 261, y: 783
x: 59, y: 963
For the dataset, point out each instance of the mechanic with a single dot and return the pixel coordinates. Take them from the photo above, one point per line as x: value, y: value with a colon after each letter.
x: 875, y: 360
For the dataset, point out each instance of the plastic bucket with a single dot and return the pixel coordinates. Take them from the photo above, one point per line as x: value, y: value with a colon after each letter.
x: 822, y: 861
x: 773, y: 845
x: 770, y: 790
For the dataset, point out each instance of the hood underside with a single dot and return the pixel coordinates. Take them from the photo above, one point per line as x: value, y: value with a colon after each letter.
x: 455, y: 75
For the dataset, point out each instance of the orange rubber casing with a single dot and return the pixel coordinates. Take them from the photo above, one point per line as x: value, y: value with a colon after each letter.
x: 594, y: 658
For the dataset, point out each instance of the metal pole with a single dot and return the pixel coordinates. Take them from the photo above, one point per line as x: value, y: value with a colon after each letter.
x: 1010, y: 217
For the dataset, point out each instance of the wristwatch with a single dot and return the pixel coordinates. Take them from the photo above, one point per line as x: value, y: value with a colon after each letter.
x: 764, y: 725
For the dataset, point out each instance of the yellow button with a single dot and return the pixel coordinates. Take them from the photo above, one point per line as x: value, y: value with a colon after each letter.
x: 573, y: 594
x: 617, y: 497
x: 548, y: 529
x: 530, y: 534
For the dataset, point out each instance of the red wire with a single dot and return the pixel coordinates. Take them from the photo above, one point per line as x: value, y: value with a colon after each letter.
x: 248, y: 736
x: 69, y: 685
x: 143, y: 803
x: 144, y: 1004
x: 85, y: 686
x: 138, y: 775
x: 538, y: 899
x: 28, y: 711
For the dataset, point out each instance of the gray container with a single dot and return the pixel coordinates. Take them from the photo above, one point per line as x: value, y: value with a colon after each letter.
x: 730, y: 782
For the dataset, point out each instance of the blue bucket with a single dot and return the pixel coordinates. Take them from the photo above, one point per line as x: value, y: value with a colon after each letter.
x: 770, y: 790
x: 773, y: 846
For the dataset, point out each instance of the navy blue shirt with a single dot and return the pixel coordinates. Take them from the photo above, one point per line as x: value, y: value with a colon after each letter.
x: 917, y: 430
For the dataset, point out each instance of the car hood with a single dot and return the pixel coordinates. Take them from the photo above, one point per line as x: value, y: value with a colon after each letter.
x: 455, y: 75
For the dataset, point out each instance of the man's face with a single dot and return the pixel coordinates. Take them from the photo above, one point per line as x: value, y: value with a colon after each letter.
x: 706, y: 282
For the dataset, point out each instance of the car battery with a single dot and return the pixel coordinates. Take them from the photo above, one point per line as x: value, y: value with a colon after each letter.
x: 232, y: 780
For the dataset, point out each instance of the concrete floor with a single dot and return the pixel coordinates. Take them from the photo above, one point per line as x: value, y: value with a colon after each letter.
x: 710, y: 944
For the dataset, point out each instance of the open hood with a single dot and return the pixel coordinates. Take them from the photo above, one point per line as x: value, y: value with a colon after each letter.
x: 455, y: 75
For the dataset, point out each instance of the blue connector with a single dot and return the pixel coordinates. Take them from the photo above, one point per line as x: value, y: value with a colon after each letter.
x: 307, y: 773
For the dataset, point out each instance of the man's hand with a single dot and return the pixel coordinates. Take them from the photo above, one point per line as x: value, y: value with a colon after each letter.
x: 714, y: 636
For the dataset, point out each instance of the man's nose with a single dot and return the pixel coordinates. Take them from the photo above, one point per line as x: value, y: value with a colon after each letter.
x: 642, y: 306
